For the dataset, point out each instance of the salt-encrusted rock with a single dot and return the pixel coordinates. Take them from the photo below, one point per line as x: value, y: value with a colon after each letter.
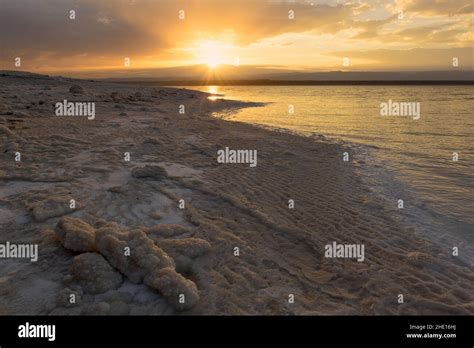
x: 112, y: 244
x: 107, y: 308
x: 116, y: 296
x: 94, y: 273
x: 75, y: 234
x: 96, y: 308
x: 149, y: 172
x: 53, y: 206
x: 106, y: 223
x: 71, y: 311
x: 183, y: 264
x: 76, y: 89
x: 118, y: 308
x: 70, y: 298
x: 183, y: 251
x: 167, y: 230
x: 101, y: 308
x: 179, y: 291
x: 134, y: 253
x: 150, y: 256
x: 190, y: 247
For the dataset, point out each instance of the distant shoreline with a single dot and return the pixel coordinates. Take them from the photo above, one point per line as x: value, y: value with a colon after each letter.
x: 297, y: 83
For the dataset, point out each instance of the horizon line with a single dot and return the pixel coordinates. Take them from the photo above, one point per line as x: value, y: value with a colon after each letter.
x: 264, y: 82
x: 257, y: 81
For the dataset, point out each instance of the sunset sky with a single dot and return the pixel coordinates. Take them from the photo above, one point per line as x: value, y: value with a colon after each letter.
x: 151, y: 33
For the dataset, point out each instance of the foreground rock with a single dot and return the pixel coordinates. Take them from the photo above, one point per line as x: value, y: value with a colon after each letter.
x: 53, y: 206
x: 190, y: 247
x: 182, y: 293
x: 166, y: 230
x: 132, y: 253
x: 185, y: 250
x: 75, y: 234
x: 94, y: 273
x: 64, y: 298
x: 149, y: 172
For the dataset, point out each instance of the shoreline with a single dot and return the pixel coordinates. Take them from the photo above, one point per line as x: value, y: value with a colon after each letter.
x: 374, y: 166
x: 375, y: 173
x: 227, y: 206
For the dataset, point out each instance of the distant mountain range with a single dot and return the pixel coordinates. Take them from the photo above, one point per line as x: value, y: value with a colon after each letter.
x: 255, y: 75
x: 201, y: 74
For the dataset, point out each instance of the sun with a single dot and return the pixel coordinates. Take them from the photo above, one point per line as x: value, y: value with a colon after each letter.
x: 213, y: 62
x: 210, y: 53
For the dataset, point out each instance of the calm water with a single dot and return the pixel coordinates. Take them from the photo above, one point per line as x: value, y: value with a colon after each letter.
x: 412, y: 159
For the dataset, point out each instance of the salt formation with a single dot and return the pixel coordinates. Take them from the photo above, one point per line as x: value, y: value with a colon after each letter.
x: 94, y: 273
x: 185, y: 250
x: 190, y: 247
x: 166, y: 230
x: 75, y: 234
x: 144, y: 256
x: 180, y: 292
x: 133, y: 253
x: 52, y: 206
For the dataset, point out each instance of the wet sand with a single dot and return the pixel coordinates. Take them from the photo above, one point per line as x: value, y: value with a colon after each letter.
x: 137, y: 203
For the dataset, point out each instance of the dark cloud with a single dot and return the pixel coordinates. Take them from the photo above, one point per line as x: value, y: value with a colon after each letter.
x: 41, y: 29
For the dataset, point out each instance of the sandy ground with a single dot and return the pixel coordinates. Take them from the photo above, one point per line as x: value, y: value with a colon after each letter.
x: 281, y: 250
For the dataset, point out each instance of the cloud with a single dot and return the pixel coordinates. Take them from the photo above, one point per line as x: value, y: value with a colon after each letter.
x: 35, y: 29
x: 437, y: 7
x: 370, y: 28
x: 32, y: 27
x: 417, y: 58
x: 150, y: 32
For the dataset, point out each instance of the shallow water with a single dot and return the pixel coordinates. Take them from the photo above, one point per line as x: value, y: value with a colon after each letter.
x: 416, y: 154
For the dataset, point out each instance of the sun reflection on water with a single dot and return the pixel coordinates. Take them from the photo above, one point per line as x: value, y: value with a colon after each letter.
x: 214, y: 90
